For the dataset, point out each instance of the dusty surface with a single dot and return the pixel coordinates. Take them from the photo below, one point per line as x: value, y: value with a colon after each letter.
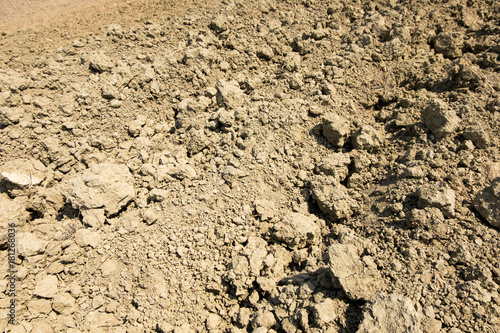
x: 264, y: 166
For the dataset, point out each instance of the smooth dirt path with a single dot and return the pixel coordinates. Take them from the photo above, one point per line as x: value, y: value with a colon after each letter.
x: 29, y: 27
x: 18, y: 15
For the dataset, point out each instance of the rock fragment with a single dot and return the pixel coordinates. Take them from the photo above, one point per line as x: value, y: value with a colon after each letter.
x: 367, y: 138
x: 93, y: 217
x: 264, y: 319
x: 265, y: 52
x: 440, y: 118
x: 9, y: 116
x: 430, y: 217
x: 106, y: 185
x: 86, y: 237
x: 110, y: 267
x: 265, y: 209
x: 328, y: 310
x: 199, y: 55
x: 197, y: 141
x: 98, y: 319
x: 358, y: 277
x: 390, y: 313
x: 213, y: 321
x: 437, y: 195
x: 246, y: 266
x: 334, y: 199
x: 100, y: 62
x: 184, y: 171
x: 477, y: 135
x: 64, y: 304
x: 335, y: 165
x: 190, y: 108
x: 23, y: 172
x: 296, y: 81
x: 449, y: 44
x: 229, y: 94
x: 158, y: 195
x: 39, y: 305
x: 150, y: 216
x: 296, y: 231
x: 29, y: 245
x: 219, y: 24
x: 487, y: 203
x: 135, y: 126
x: 46, y: 287
x: 336, y: 129
x: 115, y: 30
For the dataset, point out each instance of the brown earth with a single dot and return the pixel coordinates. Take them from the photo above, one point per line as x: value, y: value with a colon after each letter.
x: 264, y: 166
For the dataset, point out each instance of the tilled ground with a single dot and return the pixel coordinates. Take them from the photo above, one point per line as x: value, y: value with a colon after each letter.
x: 263, y: 166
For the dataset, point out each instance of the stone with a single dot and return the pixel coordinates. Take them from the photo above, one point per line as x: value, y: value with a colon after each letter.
x: 430, y: 217
x: 55, y: 268
x: 164, y: 327
x: 336, y: 129
x: 115, y: 30
x: 86, y: 237
x: 336, y: 165
x: 390, y: 313
x: 23, y: 172
x: 64, y: 303
x: 265, y: 52
x: 213, y: 321
x: 296, y: 231
x: 229, y: 94
x: 225, y: 118
x: 98, y: 301
x: 29, y: 245
x: 110, y: 267
x: 109, y: 92
x: 108, y: 186
x: 478, y: 135
x: 100, y: 62
x: 158, y: 195
x: 47, y: 287
x: 199, y: 55
x: 296, y: 81
x: 135, y: 126
x: 93, y: 217
x: 219, y: 24
x: 437, y: 195
x: 99, y: 319
x: 473, y: 291
x: 328, y: 311
x: 333, y: 199
x: 256, y: 252
x: 191, y: 106
x: 358, y: 277
x: 150, y: 216
x: 41, y: 327
x: 264, y: 319
x: 39, y: 305
x: 487, y: 203
x: 9, y: 116
x: 184, y: 171
x: 367, y: 138
x: 265, y: 209
x: 440, y: 118
x: 197, y: 141
x: 450, y: 44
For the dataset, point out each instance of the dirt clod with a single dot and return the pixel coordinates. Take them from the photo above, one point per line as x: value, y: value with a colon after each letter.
x: 261, y: 166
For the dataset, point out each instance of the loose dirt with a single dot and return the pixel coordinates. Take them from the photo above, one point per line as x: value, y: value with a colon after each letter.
x: 264, y: 166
